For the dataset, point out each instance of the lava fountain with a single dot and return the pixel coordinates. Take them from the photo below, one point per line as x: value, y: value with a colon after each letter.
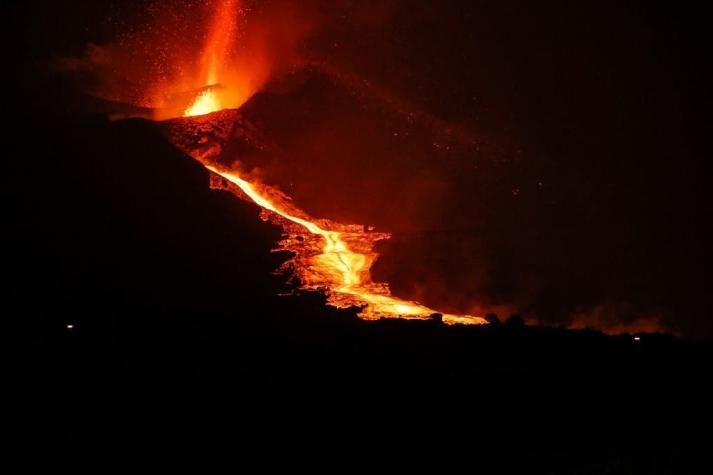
x: 328, y: 257
x: 216, y: 53
x: 205, y: 103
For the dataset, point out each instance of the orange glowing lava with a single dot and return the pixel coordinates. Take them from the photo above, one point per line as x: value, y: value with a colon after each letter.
x: 205, y: 103
x: 340, y: 266
x: 214, y: 61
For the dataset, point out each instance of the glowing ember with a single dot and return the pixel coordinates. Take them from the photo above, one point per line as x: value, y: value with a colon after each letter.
x: 205, y: 103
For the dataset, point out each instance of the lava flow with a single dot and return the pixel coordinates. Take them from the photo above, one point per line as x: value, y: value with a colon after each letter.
x: 328, y: 257
x: 340, y: 266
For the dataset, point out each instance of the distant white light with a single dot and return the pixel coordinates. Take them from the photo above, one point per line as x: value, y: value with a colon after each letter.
x: 637, y: 338
x: 69, y: 326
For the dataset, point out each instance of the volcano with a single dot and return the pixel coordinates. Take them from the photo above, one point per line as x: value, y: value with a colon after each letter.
x: 329, y: 256
x: 455, y: 161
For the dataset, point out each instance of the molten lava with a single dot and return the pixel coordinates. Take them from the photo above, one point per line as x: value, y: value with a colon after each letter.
x: 205, y: 103
x: 340, y: 264
x: 222, y: 32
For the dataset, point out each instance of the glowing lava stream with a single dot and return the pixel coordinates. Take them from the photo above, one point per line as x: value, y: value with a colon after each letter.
x: 349, y: 266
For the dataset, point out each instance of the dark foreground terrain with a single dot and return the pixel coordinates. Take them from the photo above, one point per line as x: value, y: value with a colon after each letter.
x: 139, y: 289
